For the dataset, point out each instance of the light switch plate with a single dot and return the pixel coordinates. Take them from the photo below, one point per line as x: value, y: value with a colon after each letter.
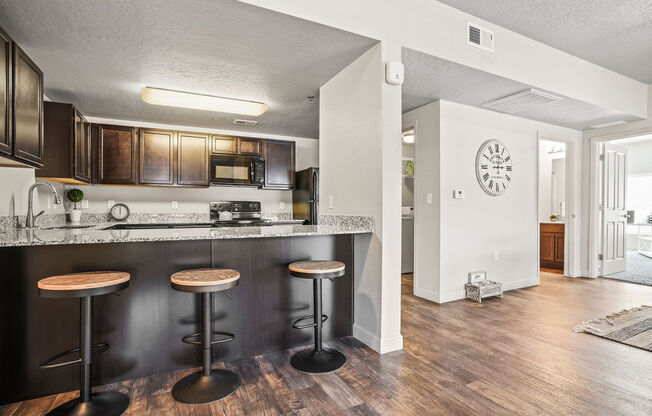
x: 84, y: 203
x: 175, y: 204
x: 458, y: 194
x: 330, y: 202
x: 429, y: 198
x: 110, y: 203
x: 281, y: 205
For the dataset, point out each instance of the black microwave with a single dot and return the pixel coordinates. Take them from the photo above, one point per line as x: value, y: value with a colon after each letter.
x: 237, y: 170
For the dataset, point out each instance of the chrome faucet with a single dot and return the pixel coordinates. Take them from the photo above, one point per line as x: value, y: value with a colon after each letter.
x: 29, y: 222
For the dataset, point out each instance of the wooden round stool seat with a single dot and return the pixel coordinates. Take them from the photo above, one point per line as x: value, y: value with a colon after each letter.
x: 83, y: 284
x: 317, y: 269
x: 204, y: 280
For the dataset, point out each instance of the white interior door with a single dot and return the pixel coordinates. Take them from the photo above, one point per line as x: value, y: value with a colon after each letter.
x: 614, y: 214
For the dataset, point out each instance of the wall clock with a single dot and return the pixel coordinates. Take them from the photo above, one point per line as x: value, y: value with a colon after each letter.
x: 493, y: 167
x: 120, y: 212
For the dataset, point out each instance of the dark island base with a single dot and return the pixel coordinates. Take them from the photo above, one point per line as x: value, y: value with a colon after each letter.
x: 145, y: 323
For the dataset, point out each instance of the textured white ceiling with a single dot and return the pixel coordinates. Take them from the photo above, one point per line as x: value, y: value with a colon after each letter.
x: 97, y: 54
x: 428, y: 78
x: 615, y: 34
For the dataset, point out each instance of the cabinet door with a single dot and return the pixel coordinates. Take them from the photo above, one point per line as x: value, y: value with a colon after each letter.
x: 156, y: 157
x: 225, y: 145
x: 559, y: 248
x: 279, y: 164
x: 5, y: 94
x: 87, y: 138
x: 547, y: 248
x: 27, y: 108
x: 193, y: 159
x: 250, y: 147
x: 116, y: 155
x: 79, y: 148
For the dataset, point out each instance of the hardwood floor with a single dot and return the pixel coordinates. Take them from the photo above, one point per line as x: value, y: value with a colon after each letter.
x: 502, y: 357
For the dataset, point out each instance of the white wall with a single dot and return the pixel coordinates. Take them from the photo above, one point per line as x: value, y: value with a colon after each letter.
x: 359, y: 159
x: 545, y: 186
x: 559, y: 186
x: 471, y: 229
x: 14, y: 184
x: 440, y: 30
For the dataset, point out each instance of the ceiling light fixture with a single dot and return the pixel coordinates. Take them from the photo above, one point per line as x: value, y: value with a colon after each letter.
x: 158, y: 96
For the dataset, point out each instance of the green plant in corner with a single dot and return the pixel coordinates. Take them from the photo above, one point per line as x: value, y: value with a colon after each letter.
x: 75, y: 195
x: 553, y: 218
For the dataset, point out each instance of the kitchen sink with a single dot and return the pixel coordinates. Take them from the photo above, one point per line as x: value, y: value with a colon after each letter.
x: 158, y: 226
x: 69, y: 227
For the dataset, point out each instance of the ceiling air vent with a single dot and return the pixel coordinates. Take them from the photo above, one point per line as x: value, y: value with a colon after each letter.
x: 521, y: 101
x: 241, y: 122
x: 480, y: 37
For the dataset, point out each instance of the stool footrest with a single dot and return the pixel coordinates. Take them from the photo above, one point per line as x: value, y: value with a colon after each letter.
x: 47, y: 364
x: 296, y: 324
x: 188, y: 339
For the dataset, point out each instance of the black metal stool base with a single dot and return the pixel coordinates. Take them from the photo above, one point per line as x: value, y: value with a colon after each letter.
x: 197, y: 388
x: 318, y: 362
x: 106, y: 403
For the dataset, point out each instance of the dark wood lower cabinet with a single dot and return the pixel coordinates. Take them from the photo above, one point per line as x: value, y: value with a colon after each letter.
x: 144, y: 325
x: 551, y: 245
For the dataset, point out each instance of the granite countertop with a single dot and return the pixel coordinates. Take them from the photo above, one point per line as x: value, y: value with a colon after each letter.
x: 15, y: 237
x: 551, y: 222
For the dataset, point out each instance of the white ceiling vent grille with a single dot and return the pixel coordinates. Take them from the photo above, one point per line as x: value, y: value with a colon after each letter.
x: 480, y: 37
x: 521, y: 101
x: 241, y: 122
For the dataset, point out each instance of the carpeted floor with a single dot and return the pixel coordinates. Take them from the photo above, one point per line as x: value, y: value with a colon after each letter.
x: 639, y: 269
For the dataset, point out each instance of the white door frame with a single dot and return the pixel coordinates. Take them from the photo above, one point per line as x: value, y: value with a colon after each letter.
x: 573, y: 202
x: 594, y: 193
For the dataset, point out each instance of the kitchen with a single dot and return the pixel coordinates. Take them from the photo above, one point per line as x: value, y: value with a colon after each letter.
x: 185, y: 184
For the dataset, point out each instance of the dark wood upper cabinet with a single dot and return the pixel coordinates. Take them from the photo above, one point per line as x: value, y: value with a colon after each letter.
x: 27, y: 96
x: 89, y: 145
x: 67, y: 151
x: 5, y: 94
x: 117, y: 155
x: 156, y: 157
x: 249, y: 146
x: 279, y: 164
x: 226, y: 145
x: 193, y: 154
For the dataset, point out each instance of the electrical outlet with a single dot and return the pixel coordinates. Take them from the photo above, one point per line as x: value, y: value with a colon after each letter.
x: 458, y: 194
x: 175, y: 204
x: 281, y: 205
x: 110, y: 203
x: 429, y: 198
x: 330, y: 202
x: 496, y: 255
x: 84, y: 203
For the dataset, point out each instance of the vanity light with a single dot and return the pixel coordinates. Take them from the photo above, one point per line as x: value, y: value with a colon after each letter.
x: 172, y: 98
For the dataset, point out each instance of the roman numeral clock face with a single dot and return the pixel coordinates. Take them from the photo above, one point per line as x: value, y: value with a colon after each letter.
x: 493, y: 167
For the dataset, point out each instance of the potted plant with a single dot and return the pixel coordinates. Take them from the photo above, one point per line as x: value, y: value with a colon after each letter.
x: 75, y: 196
x: 553, y: 218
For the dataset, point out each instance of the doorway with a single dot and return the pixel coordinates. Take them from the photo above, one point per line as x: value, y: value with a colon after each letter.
x: 408, y: 139
x: 552, y: 206
x: 623, y: 226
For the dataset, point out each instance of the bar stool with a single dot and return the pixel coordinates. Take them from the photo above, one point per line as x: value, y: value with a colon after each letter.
x: 85, y: 286
x: 207, y: 385
x: 319, y: 360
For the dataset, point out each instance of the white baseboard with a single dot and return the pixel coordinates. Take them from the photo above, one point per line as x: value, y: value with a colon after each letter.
x: 380, y: 345
x: 453, y: 295
x: 520, y: 284
x: 366, y: 337
x: 426, y: 294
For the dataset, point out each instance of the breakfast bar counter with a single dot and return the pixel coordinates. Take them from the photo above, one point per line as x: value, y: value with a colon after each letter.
x: 145, y: 323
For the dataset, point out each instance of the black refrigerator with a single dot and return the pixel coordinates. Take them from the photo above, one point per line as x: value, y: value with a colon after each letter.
x: 305, y: 196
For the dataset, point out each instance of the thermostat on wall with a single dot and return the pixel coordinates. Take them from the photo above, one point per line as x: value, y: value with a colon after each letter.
x: 394, y: 73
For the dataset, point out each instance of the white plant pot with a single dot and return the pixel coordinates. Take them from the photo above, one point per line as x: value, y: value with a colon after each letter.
x: 75, y: 215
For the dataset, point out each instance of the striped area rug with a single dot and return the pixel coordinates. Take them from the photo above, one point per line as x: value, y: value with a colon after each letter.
x: 630, y: 326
